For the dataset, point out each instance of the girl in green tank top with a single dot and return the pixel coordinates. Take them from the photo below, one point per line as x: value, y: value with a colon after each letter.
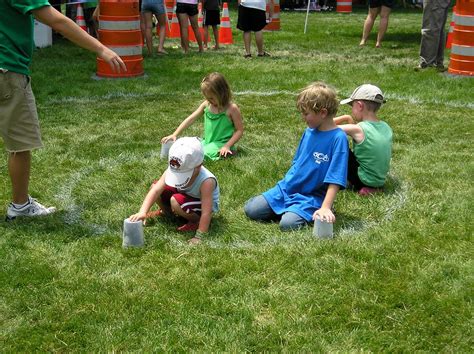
x: 223, y: 125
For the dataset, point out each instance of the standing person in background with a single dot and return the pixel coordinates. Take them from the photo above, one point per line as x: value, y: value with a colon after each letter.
x: 148, y: 9
x: 377, y: 7
x: 253, y: 18
x: 211, y: 18
x: 19, y: 126
x: 433, y: 37
x: 187, y: 12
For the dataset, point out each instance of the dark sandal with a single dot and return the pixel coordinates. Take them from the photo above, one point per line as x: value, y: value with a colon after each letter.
x: 264, y: 54
x: 247, y: 55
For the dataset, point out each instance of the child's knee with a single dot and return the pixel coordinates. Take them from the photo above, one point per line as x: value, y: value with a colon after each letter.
x: 175, y: 206
x: 249, y: 208
x: 253, y: 208
x: 291, y: 221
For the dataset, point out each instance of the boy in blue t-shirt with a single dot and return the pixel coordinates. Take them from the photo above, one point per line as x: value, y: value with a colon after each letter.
x: 318, y: 170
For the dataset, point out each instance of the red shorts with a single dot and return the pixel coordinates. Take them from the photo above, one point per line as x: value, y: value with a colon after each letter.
x: 188, y: 204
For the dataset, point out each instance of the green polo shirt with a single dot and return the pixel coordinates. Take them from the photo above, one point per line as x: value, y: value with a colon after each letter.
x: 16, y: 33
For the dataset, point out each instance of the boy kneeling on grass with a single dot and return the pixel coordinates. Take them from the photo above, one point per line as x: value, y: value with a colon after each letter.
x: 372, y: 140
x: 186, y: 189
x: 318, y: 170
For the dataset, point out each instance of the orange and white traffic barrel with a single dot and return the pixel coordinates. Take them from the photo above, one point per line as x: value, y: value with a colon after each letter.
x: 119, y: 30
x: 462, y: 48
x: 449, y: 38
x: 274, y: 25
x: 344, y: 6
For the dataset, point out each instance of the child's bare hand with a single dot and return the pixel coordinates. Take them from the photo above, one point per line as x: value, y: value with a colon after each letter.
x: 224, y: 151
x: 138, y: 216
x: 324, y: 214
x: 168, y: 137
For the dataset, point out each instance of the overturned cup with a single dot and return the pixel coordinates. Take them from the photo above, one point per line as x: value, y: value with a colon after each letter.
x: 165, y: 149
x: 132, y: 233
x: 322, y: 229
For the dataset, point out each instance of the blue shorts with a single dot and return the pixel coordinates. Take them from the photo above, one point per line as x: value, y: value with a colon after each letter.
x: 156, y: 7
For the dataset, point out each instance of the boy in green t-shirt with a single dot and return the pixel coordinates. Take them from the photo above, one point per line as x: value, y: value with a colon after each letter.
x: 19, y: 126
x: 369, y: 162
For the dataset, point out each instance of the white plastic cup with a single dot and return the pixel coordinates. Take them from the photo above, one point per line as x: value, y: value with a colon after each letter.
x: 165, y: 149
x: 132, y: 233
x: 322, y: 229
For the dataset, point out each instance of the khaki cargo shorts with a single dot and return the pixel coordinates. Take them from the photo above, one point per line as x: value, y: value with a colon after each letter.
x: 19, y: 125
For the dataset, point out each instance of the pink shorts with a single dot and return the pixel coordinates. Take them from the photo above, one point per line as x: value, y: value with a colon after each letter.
x: 188, y: 204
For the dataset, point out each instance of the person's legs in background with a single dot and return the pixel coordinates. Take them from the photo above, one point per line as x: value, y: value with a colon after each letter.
x: 197, y: 33
x: 183, y: 20
x: 259, y: 42
x: 383, y: 25
x: 368, y: 24
x: 148, y: 25
x: 162, y: 23
x: 247, y: 38
x: 215, y: 30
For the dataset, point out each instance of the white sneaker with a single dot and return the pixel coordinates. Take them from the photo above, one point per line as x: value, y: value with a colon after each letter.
x: 32, y: 208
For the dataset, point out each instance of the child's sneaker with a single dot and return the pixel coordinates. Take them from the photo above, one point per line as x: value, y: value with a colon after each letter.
x: 190, y: 226
x: 31, y: 208
x: 366, y: 191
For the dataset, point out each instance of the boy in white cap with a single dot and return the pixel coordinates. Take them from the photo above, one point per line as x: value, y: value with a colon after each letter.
x: 369, y: 162
x: 186, y: 189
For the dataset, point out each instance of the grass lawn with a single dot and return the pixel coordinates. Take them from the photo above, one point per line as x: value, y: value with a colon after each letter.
x: 397, y: 276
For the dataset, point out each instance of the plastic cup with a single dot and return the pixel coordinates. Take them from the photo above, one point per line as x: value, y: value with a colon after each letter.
x: 322, y: 229
x: 132, y: 233
x: 165, y: 149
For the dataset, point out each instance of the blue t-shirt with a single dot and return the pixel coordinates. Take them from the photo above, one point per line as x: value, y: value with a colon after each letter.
x: 321, y: 159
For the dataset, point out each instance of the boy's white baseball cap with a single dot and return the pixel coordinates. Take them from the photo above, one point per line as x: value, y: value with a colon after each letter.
x: 366, y: 92
x: 185, y: 155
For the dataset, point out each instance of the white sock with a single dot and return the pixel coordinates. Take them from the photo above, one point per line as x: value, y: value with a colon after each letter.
x: 19, y: 206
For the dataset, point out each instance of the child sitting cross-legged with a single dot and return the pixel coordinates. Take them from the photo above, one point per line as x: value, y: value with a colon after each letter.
x: 186, y: 189
x: 318, y: 169
x: 369, y: 162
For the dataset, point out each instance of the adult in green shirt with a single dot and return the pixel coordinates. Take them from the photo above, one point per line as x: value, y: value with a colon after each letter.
x: 19, y: 126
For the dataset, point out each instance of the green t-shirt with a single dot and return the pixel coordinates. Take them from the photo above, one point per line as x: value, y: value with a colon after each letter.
x: 374, y: 153
x: 16, y: 33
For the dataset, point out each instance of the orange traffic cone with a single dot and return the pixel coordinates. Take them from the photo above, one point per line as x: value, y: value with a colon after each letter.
x: 225, y: 33
x: 81, y: 22
x: 449, y: 38
x: 174, y: 28
x: 169, y: 6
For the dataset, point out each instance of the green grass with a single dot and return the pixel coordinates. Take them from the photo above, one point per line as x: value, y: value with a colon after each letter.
x: 397, y: 277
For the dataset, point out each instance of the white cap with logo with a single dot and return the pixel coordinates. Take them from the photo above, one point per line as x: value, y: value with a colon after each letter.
x: 185, y: 155
x: 366, y: 92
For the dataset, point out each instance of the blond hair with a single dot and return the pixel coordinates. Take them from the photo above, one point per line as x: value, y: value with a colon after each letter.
x: 318, y: 96
x: 216, y: 85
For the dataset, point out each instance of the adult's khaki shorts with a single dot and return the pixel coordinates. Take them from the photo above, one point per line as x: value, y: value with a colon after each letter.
x: 19, y: 125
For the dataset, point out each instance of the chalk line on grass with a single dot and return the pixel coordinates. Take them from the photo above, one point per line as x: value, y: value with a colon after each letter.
x: 66, y: 198
x: 392, y: 203
x: 130, y: 96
